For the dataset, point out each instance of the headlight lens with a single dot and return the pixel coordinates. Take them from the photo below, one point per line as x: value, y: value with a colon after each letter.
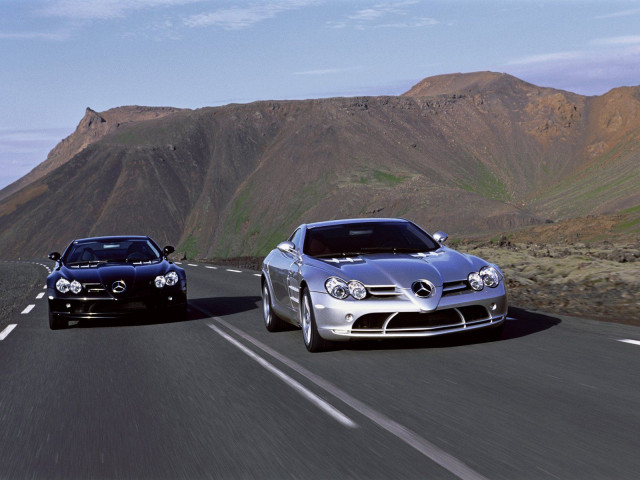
x: 160, y: 281
x: 357, y: 290
x: 171, y: 278
x: 475, y: 280
x: 490, y: 276
x: 75, y: 286
x: 337, y: 288
x: 62, y: 285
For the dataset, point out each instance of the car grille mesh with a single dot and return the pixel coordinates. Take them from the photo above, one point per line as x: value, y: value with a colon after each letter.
x: 416, y: 321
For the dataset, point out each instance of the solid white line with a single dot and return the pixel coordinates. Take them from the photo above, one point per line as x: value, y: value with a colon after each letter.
x: 212, y: 268
x: 633, y: 342
x: 28, y: 309
x: 305, y: 392
x: 234, y: 271
x: 40, y: 295
x: 192, y: 265
x: 422, y: 445
x: 5, y: 333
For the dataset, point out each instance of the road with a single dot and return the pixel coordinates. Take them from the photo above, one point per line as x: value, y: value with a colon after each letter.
x: 217, y: 396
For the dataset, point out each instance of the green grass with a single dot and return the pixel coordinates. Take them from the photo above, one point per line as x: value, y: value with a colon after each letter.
x: 387, y: 178
x: 189, y: 247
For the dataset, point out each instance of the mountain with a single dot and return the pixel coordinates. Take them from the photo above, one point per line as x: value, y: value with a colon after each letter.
x: 467, y: 153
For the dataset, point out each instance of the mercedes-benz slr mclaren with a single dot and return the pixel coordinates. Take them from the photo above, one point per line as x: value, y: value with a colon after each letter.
x: 377, y: 279
x: 112, y: 277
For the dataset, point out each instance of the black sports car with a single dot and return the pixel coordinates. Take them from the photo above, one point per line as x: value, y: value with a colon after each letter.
x: 111, y: 277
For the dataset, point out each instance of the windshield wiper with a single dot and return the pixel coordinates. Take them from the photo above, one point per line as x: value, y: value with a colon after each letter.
x: 86, y: 262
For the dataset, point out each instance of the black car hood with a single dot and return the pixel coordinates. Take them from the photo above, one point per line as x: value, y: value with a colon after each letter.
x: 135, y: 277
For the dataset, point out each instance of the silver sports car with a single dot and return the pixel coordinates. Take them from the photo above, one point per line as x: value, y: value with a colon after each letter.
x: 378, y: 278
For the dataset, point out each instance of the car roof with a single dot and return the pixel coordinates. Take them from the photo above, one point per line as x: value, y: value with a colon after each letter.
x: 355, y: 220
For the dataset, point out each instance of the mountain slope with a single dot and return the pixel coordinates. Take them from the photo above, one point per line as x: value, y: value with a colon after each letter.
x: 464, y: 153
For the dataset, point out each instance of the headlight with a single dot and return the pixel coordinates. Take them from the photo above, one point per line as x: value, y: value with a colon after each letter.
x: 62, y: 285
x: 357, y: 290
x: 75, y: 286
x: 171, y: 278
x: 490, y: 276
x: 160, y: 281
x: 337, y: 288
x: 475, y: 280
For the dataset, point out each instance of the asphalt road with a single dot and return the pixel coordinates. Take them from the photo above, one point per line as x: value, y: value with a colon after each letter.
x: 217, y: 396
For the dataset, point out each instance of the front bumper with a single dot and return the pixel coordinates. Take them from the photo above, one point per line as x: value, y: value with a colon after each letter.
x: 87, y: 308
x: 405, y: 317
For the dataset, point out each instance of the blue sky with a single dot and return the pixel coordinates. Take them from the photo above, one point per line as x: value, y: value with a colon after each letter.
x: 58, y: 57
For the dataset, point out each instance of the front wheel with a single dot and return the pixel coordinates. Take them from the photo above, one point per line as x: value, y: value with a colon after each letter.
x: 312, y: 339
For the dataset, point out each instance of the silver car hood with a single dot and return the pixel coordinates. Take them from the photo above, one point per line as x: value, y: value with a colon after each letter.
x: 401, y: 269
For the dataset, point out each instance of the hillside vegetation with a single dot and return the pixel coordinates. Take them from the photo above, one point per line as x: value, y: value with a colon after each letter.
x: 472, y: 154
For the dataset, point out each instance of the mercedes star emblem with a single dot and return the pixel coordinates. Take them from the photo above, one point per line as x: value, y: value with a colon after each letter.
x: 422, y: 288
x: 119, y: 286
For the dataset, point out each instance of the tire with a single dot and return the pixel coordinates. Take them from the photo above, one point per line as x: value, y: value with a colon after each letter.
x: 312, y: 339
x: 57, y: 323
x: 271, y: 320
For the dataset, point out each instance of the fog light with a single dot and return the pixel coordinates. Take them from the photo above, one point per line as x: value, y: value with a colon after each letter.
x: 169, y: 298
x: 68, y: 305
x: 348, y: 317
x: 493, y: 307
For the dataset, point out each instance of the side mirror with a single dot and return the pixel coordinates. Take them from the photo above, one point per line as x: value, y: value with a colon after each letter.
x: 168, y: 250
x: 55, y: 256
x: 440, y: 237
x: 287, y: 247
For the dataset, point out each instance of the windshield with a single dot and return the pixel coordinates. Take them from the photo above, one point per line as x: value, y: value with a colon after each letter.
x: 370, y: 237
x: 126, y: 250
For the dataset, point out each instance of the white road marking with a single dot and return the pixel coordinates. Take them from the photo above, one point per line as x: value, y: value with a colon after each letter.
x: 632, y: 342
x: 257, y: 275
x: 28, y: 309
x: 305, y: 392
x: 192, y: 265
x: 178, y: 263
x: 212, y: 268
x: 422, y: 445
x: 5, y: 333
x: 234, y: 271
x: 40, y: 295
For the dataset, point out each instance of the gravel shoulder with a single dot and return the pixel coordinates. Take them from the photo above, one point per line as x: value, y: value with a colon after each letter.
x: 19, y: 284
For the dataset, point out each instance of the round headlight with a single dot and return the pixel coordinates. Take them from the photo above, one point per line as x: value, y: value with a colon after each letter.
x: 160, y: 281
x: 75, y: 286
x: 490, y: 276
x: 475, y: 281
x: 357, y: 290
x: 337, y: 288
x: 62, y: 285
x: 171, y: 278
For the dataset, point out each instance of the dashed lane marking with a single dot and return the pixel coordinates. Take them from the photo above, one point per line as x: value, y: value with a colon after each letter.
x: 28, y: 309
x: 257, y: 275
x: 178, y: 263
x: 40, y: 295
x: 192, y: 264
x: 5, y: 333
x: 632, y: 342
x: 234, y: 271
x: 212, y: 268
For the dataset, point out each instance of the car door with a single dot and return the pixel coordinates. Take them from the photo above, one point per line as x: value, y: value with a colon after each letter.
x: 281, y: 270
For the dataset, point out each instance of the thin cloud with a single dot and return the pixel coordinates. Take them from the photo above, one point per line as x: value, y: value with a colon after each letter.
x: 324, y: 71
x: 622, y: 40
x: 384, y: 15
x: 621, y: 13
x: 237, y: 18
x: 104, y: 9
x: 547, y: 57
x: 54, y: 37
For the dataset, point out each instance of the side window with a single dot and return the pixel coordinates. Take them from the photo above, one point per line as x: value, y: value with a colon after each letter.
x: 295, y: 238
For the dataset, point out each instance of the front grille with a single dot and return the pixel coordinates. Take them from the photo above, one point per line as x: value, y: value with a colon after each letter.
x: 454, y: 288
x: 382, y: 290
x: 401, y: 321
